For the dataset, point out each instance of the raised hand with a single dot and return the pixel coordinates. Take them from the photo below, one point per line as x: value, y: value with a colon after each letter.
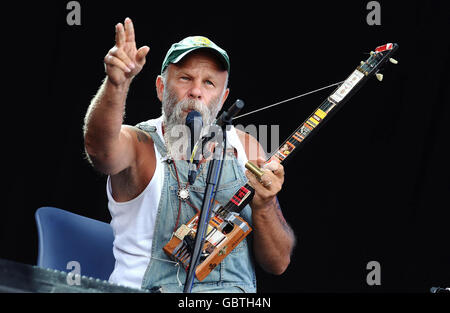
x: 124, y: 61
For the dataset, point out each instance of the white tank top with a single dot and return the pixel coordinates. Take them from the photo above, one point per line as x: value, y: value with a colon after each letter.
x: 133, y: 221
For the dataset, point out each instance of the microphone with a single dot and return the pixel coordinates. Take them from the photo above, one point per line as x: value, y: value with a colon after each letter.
x: 222, y: 121
x: 227, y: 116
x: 195, y: 123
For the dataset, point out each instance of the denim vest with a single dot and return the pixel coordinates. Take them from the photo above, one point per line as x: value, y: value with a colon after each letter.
x: 236, y: 273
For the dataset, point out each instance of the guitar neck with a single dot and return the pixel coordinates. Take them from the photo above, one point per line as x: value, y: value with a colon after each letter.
x: 322, y: 114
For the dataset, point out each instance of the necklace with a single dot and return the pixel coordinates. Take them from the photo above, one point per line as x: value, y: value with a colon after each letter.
x: 183, y: 188
x: 183, y: 192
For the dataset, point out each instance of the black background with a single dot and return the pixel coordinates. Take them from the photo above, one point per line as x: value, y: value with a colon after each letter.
x: 372, y: 185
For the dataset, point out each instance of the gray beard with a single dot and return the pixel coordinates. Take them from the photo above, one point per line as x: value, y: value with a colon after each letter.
x: 176, y: 133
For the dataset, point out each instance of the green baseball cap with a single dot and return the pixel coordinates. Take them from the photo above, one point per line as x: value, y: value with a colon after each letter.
x: 180, y: 49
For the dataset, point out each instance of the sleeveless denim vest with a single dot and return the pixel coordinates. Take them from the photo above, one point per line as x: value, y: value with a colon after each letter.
x: 236, y: 273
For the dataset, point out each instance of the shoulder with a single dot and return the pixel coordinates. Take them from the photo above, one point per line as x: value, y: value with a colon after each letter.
x: 139, y: 134
x: 135, y: 135
x: 140, y: 145
x: 131, y: 181
x: 251, y: 145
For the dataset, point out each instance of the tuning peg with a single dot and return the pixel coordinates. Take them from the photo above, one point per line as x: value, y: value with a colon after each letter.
x: 362, y: 62
x: 379, y: 76
x: 393, y: 61
x: 372, y: 53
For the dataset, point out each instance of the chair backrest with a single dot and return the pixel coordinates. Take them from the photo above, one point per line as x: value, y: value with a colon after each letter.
x: 65, y: 237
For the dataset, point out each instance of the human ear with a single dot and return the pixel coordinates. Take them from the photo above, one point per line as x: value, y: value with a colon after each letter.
x: 225, y: 96
x: 159, y: 87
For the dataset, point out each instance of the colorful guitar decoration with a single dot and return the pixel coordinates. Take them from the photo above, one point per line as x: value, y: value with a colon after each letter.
x: 226, y: 228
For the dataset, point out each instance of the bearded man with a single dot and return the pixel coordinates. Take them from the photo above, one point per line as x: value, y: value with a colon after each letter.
x: 146, y: 173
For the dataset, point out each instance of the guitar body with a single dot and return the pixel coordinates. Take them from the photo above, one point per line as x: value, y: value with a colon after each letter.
x: 222, y: 236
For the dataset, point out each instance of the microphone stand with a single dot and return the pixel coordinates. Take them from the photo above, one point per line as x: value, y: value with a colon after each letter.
x: 212, y: 181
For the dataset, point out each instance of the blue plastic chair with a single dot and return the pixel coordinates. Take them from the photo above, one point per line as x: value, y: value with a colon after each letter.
x: 65, y: 237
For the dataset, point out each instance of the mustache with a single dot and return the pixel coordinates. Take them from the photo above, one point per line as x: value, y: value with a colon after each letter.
x: 172, y: 106
x: 192, y: 104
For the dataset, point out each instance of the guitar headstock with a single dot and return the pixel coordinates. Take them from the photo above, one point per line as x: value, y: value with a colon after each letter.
x: 377, y: 59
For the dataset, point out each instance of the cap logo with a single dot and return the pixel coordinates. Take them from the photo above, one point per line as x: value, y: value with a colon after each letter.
x: 201, y: 41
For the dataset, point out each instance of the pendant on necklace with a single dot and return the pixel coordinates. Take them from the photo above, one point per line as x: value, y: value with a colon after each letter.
x: 183, y: 193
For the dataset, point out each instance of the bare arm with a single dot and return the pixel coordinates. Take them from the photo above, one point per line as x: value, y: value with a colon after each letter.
x: 108, y: 143
x: 274, y: 240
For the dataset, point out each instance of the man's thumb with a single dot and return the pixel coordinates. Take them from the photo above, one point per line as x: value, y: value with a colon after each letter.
x: 141, y: 54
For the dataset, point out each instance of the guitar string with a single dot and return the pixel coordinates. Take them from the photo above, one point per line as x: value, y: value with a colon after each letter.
x: 287, y: 100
